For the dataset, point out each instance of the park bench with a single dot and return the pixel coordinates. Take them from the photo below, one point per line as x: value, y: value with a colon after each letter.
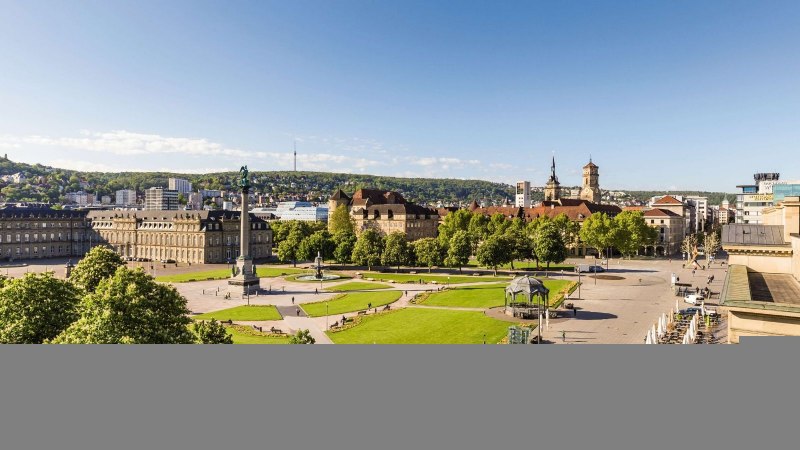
x: 334, y: 325
x: 229, y: 321
x: 274, y: 330
x: 257, y: 328
x: 362, y: 313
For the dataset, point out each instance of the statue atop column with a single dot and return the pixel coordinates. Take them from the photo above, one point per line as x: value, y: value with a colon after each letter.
x: 244, y: 276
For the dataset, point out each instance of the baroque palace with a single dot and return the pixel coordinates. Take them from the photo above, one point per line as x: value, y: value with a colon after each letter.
x: 183, y: 236
x: 37, y: 232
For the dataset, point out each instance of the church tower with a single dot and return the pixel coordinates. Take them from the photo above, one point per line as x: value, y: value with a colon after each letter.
x: 552, y: 190
x: 591, y: 183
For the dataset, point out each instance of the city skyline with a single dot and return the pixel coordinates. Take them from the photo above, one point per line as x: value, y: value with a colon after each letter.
x: 660, y: 95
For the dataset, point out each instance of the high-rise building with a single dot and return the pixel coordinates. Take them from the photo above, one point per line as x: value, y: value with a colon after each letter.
x: 125, y: 197
x: 160, y: 199
x: 591, y: 183
x: 751, y: 201
x: 552, y: 190
x: 702, y: 211
x: 180, y: 185
x: 523, y: 194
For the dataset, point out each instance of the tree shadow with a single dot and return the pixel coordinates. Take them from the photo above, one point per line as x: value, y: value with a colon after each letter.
x: 593, y: 315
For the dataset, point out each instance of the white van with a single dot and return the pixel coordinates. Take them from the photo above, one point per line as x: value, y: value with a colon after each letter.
x: 693, y: 299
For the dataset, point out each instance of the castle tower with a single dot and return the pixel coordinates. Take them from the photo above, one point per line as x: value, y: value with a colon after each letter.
x: 591, y: 183
x: 552, y: 190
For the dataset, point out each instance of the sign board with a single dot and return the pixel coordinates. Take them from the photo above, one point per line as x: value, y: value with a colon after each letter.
x: 759, y: 197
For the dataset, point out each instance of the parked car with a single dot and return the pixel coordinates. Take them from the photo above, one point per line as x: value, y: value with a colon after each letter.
x: 583, y: 268
x: 694, y: 299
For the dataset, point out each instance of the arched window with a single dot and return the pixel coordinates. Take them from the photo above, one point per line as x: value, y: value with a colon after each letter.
x: 390, y: 214
x: 376, y: 215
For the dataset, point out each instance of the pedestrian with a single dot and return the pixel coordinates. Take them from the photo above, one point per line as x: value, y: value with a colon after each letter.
x: 298, y: 312
x: 563, y: 336
x: 316, y: 290
x: 693, y: 271
x: 369, y: 305
x: 293, y: 300
x: 575, y: 311
x: 406, y: 293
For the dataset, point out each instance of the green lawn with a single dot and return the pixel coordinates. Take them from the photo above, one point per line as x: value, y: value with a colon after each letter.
x: 486, y: 296
x: 246, y: 335
x: 354, y: 301
x: 357, y: 286
x: 246, y: 313
x: 439, y: 279
x: 221, y: 274
x: 424, y: 326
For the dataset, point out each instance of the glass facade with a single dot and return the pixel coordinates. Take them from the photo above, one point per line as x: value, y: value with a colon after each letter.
x: 780, y: 191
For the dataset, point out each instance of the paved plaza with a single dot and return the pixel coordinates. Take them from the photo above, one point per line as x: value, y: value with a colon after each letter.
x: 616, y: 308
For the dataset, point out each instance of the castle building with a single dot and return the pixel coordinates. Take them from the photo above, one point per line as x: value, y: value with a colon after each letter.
x: 387, y: 212
x: 552, y: 190
x: 591, y: 183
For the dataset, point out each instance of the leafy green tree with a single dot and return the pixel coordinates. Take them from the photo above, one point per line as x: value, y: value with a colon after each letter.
x: 35, y: 308
x: 321, y: 242
x: 478, y: 230
x: 288, y: 249
x: 549, y: 245
x: 302, y: 337
x: 498, y: 224
x: 520, y: 242
x: 395, y: 252
x: 598, y: 232
x: 211, y: 332
x: 368, y: 249
x: 570, y: 230
x: 428, y: 252
x: 100, y: 263
x: 130, y: 308
x: 493, y: 252
x: 452, y: 223
x: 631, y: 232
x: 459, y: 250
x: 345, y: 243
x: 340, y: 221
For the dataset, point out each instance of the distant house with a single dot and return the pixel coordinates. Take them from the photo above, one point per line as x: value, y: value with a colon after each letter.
x: 387, y: 211
x: 17, y: 178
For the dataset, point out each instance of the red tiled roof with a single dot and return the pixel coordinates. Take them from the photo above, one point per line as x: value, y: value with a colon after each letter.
x: 668, y: 200
x: 658, y: 212
x: 633, y: 208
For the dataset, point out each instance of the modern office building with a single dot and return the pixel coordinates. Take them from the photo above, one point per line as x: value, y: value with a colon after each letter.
x: 125, y: 197
x: 703, y: 217
x: 303, y: 211
x: 753, y: 198
x: 180, y: 185
x: 523, y: 194
x: 160, y: 199
x: 80, y: 198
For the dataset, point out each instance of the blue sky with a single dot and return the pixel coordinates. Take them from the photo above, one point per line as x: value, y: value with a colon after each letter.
x: 663, y: 95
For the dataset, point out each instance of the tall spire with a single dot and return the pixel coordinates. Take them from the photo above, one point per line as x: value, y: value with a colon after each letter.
x: 553, y: 167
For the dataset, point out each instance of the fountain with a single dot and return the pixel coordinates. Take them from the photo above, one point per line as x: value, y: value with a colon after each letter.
x: 318, y: 275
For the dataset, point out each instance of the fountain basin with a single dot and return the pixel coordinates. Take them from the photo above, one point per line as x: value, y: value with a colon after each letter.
x: 324, y: 277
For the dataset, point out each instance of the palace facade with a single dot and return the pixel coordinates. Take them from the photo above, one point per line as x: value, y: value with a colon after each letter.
x: 36, y: 233
x: 197, y: 237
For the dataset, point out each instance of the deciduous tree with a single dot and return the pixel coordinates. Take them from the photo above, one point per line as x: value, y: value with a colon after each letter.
x: 459, y: 250
x: 211, y: 332
x: 368, y: 249
x: 100, y: 263
x: 340, y: 221
x: 395, y: 252
x: 428, y: 252
x: 130, y: 308
x: 35, y: 308
x: 493, y: 252
x: 549, y: 245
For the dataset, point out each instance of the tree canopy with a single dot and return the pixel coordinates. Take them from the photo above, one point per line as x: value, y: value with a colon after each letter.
x: 100, y: 263
x: 36, y: 308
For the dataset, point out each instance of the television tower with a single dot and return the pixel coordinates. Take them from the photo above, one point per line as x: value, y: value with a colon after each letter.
x: 295, y: 155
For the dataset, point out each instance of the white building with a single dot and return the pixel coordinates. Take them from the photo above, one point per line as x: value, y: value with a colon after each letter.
x: 523, y: 194
x: 17, y: 178
x: 160, y: 199
x: 105, y: 200
x: 304, y: 211
x: 125, y: 197
x: 210, y: 193
x: 80, y: 198
x: 195, y: 201
x: 703, y: 214
x: 180, y: 185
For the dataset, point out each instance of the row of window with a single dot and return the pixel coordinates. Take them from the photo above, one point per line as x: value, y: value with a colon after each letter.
x: 35, y: 237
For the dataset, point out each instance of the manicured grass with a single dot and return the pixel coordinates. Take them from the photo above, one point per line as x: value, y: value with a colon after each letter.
x: 439, y: 279
x: 354, y: 301
x: 221, y: 274
x: 357, y: 286
x: 487, y: 296
x: 246, y: 335
x: 424, y: 326
x: 246, y: 313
